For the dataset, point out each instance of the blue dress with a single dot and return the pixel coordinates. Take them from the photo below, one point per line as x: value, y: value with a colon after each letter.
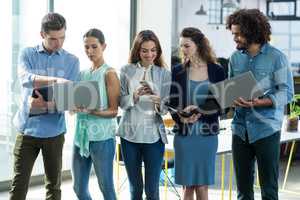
x: 195, y: 154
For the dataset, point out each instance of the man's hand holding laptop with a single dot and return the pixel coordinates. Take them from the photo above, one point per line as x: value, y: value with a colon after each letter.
x: 257, y: 102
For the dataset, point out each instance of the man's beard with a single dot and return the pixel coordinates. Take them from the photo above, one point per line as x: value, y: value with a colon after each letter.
x: 242, y: 47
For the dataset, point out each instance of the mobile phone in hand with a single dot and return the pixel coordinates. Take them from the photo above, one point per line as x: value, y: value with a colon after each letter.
x: 147, y: 85
x: 181, y: 112
x: 188, y: 114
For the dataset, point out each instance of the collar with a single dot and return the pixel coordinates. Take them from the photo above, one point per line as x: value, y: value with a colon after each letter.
x: 41, y: 49
x: 147, y: 69
x: 263, y: 49
x: 99, y: 68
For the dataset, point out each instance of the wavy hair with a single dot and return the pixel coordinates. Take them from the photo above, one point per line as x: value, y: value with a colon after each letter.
x: 254, y: 25
x: 145, y: 36
x: 203, y: 46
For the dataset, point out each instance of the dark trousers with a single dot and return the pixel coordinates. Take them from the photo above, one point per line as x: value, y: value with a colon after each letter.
x: 266, y: 152
x: 152, y: 155
x: 26, y: 151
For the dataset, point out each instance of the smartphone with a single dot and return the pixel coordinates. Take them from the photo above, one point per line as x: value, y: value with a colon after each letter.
x: 188, y: 114
x: 183, y: 113
x: 146, y: 84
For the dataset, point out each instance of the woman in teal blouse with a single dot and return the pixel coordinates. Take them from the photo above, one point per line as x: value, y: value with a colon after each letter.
x: 94, y: 141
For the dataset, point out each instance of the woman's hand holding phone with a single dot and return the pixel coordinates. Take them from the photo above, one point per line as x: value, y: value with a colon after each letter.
x: 144, y: 89
x: 189, y: 114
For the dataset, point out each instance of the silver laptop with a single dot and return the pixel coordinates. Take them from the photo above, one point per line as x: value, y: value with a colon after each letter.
x: 243, y: 85
x: 71, y: 95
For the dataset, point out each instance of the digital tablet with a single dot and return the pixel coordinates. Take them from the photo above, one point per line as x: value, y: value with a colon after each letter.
x: 71, y: 95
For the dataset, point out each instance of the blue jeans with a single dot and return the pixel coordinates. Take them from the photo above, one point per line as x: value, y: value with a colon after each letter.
x: 101, y: 155
x: 152, y: 155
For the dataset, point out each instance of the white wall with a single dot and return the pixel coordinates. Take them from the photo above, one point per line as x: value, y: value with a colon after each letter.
x: 168, y: 17
x: 156, y: 15
x: 219, y: 37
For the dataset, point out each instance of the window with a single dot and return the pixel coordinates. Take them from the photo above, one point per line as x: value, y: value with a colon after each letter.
x: 283, y: 9
x: 5, y: 70
x: 217, y: 13
x: 214, y: 12
x: 286, y: 36
x: 22, y: 19
x: 21, y: 29
x: 112, y: 17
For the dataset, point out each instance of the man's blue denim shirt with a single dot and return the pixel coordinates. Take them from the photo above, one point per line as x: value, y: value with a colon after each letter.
x: 37, y: 61
x: 271, y: 69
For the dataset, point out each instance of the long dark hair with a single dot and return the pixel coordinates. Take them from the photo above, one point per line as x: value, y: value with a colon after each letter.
x: 203, y: 47
x: 254, y: 25
x: 145, y: 36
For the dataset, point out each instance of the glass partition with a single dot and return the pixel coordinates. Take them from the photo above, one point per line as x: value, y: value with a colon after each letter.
x: 22, y: 20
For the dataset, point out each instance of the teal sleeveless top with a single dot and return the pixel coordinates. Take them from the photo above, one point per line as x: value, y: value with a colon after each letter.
x: 91, y: 127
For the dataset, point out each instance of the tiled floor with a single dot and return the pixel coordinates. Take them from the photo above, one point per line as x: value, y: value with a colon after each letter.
x: 293, y: 187
x: 37, y: 193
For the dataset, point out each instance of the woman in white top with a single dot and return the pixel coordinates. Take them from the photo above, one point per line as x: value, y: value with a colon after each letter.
x: 145, y: 86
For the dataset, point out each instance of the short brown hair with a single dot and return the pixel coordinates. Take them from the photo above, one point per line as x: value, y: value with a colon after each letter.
x: 53, y: 22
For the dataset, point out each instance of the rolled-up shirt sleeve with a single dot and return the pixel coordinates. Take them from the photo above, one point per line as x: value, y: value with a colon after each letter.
x: 25, y: 74
x: 284, y: 85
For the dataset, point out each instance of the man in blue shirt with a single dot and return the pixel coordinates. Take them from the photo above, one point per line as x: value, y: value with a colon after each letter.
x: 257, y: 123
x: 40, y: 66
